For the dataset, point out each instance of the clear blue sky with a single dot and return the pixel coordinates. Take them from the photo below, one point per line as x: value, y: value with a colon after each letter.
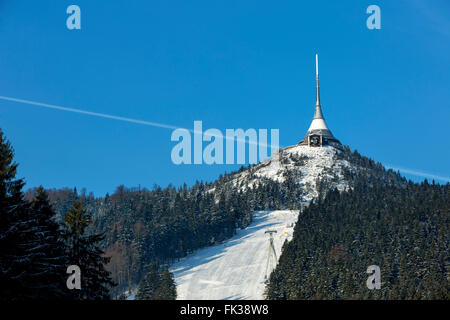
x: 231, y: 64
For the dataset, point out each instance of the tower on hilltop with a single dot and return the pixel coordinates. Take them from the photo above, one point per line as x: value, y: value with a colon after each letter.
x: 319, y: 134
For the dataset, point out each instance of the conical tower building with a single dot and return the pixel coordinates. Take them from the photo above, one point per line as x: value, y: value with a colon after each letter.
x: 319, y: 134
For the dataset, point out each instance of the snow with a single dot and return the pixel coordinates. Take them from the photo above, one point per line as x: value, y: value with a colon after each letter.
x: 319, y: 163
x: 236, y: 268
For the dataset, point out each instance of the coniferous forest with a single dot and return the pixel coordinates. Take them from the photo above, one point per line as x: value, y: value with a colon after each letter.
x: 129, y: 238
x: 403, y: 229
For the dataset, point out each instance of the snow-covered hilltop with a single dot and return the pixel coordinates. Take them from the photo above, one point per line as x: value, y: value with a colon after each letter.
x: 236, y: 268
x: 308, y: 165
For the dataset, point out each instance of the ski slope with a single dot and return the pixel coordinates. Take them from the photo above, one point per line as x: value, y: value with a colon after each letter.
x: 236, y: 268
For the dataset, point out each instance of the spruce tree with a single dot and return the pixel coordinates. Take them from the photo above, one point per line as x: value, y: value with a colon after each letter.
x: 50, y: 263
x: 15, y: 229
x: 83, y: 250
x: 167, y: 289
x: 158, y: 284
x: 32, y: 261
x: 150, y: 284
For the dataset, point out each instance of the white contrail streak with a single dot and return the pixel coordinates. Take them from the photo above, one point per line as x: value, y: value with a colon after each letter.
x: 419, y: 173
x: 95, y: 114
x: 167, y: 126
x: 109, y: 116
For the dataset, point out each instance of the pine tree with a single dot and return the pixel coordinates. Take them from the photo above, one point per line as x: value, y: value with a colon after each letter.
x: 15, y: 229
x: 32, y: 259
x: 149, y: 284
x: 50, y: 263
x: 83, y: 250
x: 167, y: 289
x: 158, y: 284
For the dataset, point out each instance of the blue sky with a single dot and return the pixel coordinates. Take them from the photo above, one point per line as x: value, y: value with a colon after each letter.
x: 230, y: 64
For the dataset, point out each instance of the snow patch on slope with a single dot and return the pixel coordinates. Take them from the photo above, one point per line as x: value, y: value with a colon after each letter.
x: 236, y: 268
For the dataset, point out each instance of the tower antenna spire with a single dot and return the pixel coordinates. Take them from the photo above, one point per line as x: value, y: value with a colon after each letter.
x: 317, y: 81
x: 318, y: 133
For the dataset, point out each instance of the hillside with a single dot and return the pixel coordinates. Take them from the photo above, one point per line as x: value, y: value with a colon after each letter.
x: 236, y: 269
x: 403, y: 229
x: 163, y: 225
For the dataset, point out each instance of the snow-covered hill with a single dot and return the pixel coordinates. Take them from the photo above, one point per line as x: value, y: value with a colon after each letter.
x: 306, y: 164
x: 236, y: 268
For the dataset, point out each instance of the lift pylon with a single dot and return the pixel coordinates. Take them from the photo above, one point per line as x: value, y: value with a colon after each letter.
x: 271, y: 255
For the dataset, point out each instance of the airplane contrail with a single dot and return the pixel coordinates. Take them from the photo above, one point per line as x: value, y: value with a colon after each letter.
x: 95, y: 114
x: 167, y: 126
x: 109, y: 116
x: 418, y: 173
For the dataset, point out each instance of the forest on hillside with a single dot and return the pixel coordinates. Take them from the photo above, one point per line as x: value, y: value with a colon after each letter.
x: 403, y: 229
x: 129, y: 238
x: 158, y: 226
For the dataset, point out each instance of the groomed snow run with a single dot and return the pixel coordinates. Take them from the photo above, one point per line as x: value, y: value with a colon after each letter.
x: 236, y: 268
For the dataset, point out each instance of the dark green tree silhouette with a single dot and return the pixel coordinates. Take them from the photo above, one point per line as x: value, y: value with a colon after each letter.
x: 83, y: 250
